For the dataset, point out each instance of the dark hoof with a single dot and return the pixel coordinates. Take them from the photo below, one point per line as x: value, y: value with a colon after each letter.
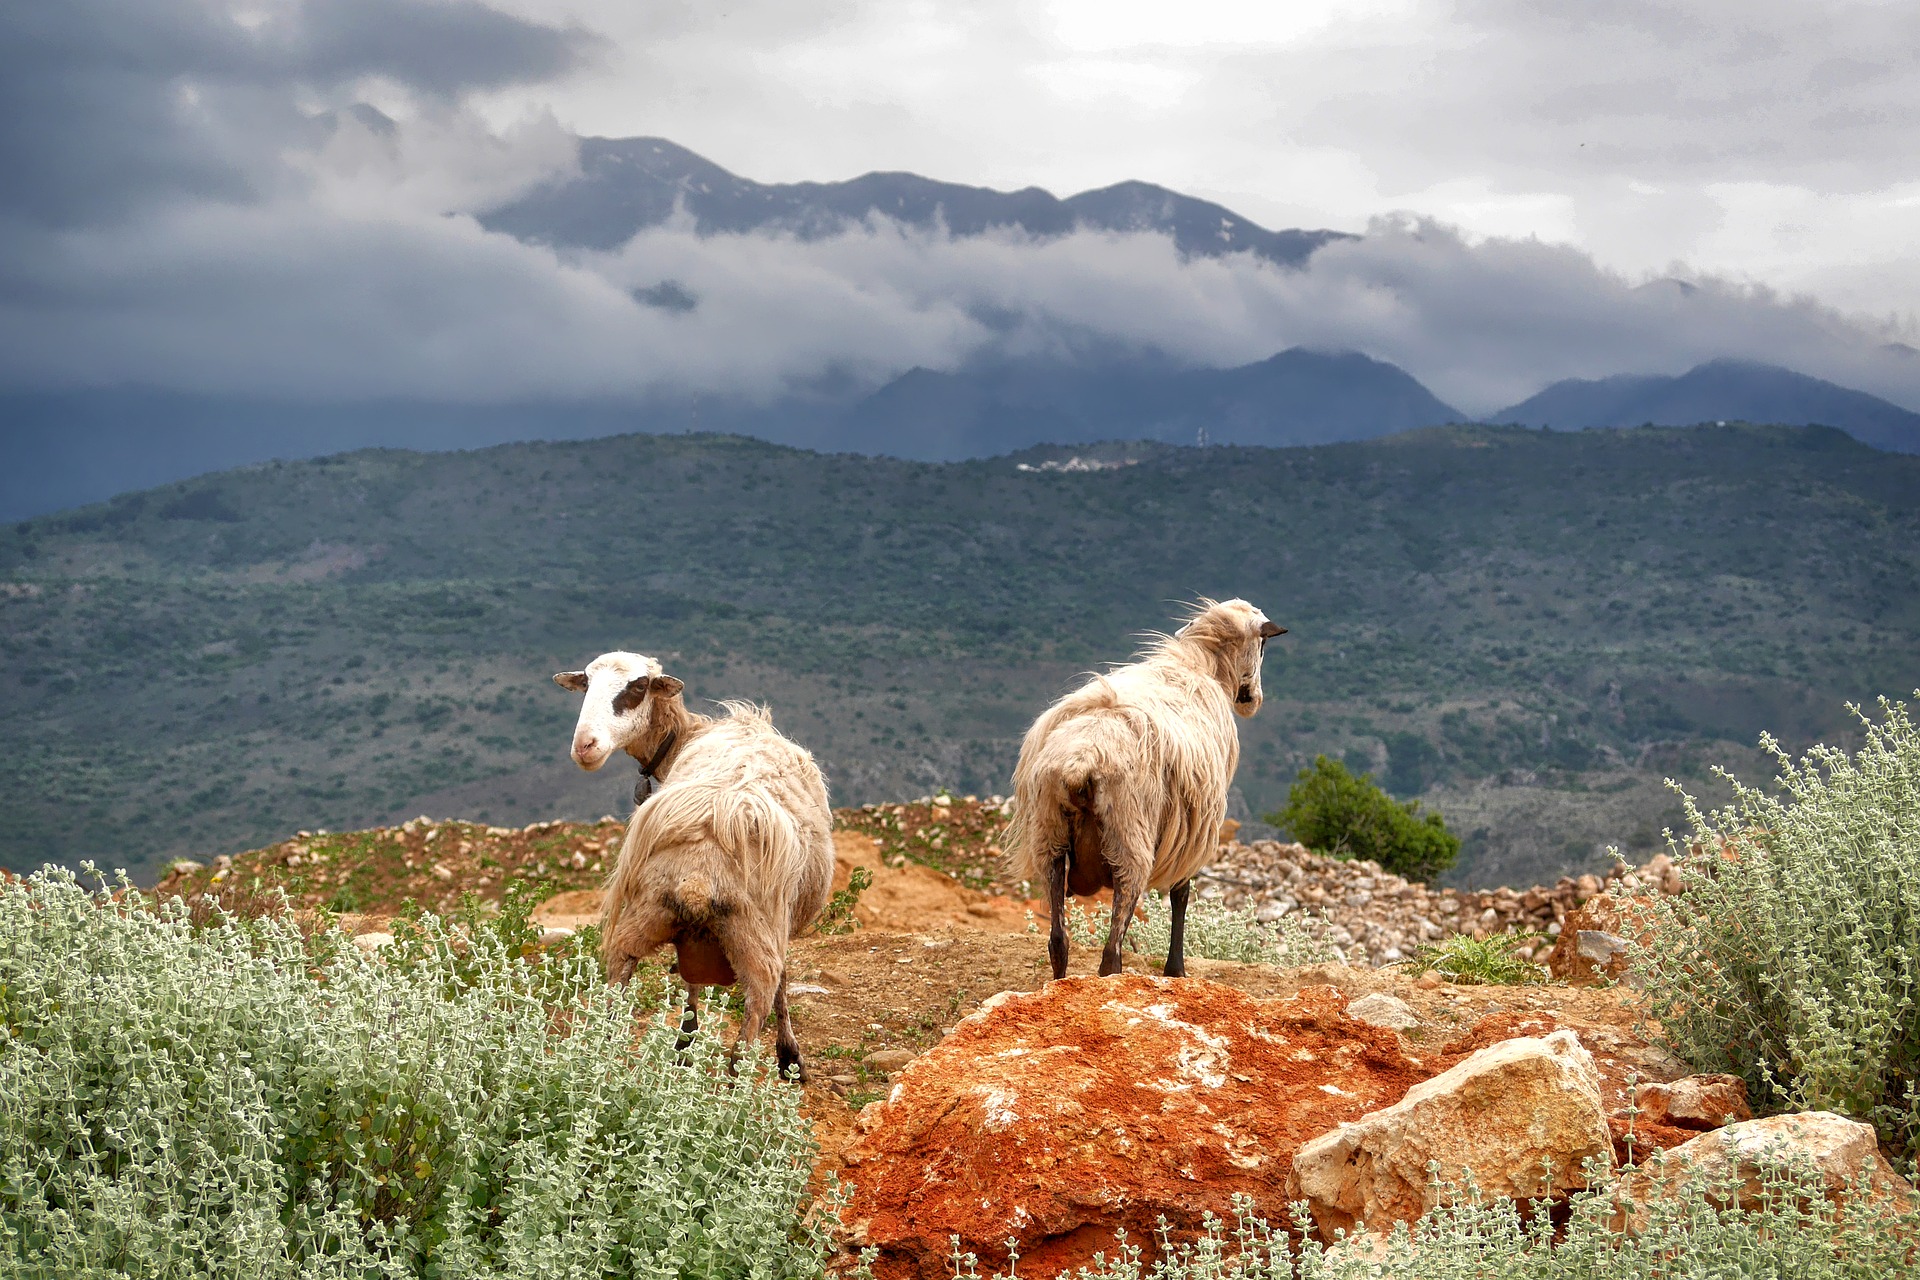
x: 791, y: 1067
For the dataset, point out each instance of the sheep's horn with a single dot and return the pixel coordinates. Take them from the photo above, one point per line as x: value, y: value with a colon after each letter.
x: 1271, y: 629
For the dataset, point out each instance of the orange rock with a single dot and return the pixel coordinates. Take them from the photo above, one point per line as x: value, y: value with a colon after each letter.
x: 1098, y: 1103
x: 1595, y: 941
x: 1694, y: 1102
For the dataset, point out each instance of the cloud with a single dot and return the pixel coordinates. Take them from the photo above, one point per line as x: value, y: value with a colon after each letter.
x: 205, y: 197
x: 109, y: 105
x: 1645, y: 131
x: 346, y: 299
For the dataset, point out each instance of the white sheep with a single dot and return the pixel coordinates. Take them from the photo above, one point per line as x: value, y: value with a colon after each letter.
x: 1123, y: 782
x: 728, y: 860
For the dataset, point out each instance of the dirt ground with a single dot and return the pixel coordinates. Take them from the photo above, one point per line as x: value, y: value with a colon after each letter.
x: 927, y: 948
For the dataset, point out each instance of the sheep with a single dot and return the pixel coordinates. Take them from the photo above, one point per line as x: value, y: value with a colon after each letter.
x: 728, y: 860
x: 1122, y: 783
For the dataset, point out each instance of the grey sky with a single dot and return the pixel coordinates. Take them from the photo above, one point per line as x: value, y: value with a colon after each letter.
x: 193, y: 199
x: 1770, y: 140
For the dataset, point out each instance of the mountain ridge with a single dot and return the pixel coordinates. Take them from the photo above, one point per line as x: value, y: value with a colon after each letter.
x: 1718, y: 390
x: 1526, y: 629
x: 626, y: 185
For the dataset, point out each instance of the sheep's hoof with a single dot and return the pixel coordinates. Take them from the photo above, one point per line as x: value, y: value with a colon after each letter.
x: 794, y: 1070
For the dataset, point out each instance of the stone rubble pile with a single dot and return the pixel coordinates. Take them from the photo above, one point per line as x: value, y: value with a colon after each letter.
x: 1376, y: 917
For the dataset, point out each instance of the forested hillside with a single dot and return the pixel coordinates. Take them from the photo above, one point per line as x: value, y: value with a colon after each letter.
x: 1528, y: 629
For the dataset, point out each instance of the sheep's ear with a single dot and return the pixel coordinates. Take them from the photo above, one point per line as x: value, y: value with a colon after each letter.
x: 1270, y: 629
x: 667, y: 686
x: 574, y: 680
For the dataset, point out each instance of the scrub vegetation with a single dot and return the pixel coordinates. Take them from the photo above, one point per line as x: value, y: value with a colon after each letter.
x: 238, y: 1099
x: 1525, y: 630
x: 1793, y: 958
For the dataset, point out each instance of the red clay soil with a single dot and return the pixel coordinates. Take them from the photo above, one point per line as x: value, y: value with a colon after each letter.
x: 1099, y: 1103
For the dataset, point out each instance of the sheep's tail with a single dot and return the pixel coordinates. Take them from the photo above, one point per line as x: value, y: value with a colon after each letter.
x: 1058, y: 776
x: 694, y: 899
x: 754, y: 843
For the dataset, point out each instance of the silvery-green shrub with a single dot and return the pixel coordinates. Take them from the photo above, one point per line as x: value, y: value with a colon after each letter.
x: 1793, y: 1232
x: 1213, y: 932
x: 237, y: 1101
x: 1793, y: 957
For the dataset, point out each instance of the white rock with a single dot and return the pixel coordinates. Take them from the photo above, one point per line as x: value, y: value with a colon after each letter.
x: 1738, y: 1158
x: 372, y: 942
x: 1522, y: 1115
x: 1382, y: 1010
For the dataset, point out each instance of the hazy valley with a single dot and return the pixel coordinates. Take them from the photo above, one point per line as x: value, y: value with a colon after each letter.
x: 1527, y: 629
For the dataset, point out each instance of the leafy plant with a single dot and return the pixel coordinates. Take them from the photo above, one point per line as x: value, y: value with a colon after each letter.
x: 1491, y: 961
x: 838, y: 915
x: 1333, y: 811
x: 1697, y: 1232
x: 234, y: 1100
x: 1793, y: 957
x: 1213, y: 932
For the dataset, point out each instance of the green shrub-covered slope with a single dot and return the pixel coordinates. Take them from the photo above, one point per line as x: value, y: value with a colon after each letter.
x: 1525, y: 630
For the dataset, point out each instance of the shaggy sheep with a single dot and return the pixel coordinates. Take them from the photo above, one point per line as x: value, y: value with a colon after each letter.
x: 729, y: 859
x: 1123, y: 782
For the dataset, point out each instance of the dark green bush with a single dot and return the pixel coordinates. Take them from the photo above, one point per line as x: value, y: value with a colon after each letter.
x: 1346, y: 816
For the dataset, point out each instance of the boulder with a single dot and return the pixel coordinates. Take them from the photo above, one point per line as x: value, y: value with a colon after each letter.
x: 1100, y: 1103
x: 1694, y: 1102
x: 1521, y: 1116
x: 1733, y: 1162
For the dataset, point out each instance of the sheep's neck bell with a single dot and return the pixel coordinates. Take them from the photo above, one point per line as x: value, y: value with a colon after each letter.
x: 646, y: 784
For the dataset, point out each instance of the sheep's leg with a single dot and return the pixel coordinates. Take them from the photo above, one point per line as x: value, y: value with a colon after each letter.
x: 785, y: 1046
x: 642, y: 929
x: 1126, y: 899
x: 758, y: 967
x: 1057, y: 911
x: 1177, y: 945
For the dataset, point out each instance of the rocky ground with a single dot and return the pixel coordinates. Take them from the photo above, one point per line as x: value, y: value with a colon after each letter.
x: 946, y: 1069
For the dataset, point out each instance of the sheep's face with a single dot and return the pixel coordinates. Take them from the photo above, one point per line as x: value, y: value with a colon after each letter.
x: 1238, y: 634
x: 623, y: 690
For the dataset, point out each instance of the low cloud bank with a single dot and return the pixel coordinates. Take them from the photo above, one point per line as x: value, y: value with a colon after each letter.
x: 253, y: 227
x: 310, y: 299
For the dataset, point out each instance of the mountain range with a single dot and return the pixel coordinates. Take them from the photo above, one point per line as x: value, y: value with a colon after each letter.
x: 626, y: 185
x: 60, y: 449
x: 1719, y: 390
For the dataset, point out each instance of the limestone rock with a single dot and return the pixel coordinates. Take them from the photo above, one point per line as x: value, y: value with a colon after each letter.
x: 1521, y: 1115
x: 1095, y: 1103
x: 889, y: 1059
x: 1694, y: 1102
x: 1383, y: 1010
x: 1738, y: 1157
x: 373, y: 942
